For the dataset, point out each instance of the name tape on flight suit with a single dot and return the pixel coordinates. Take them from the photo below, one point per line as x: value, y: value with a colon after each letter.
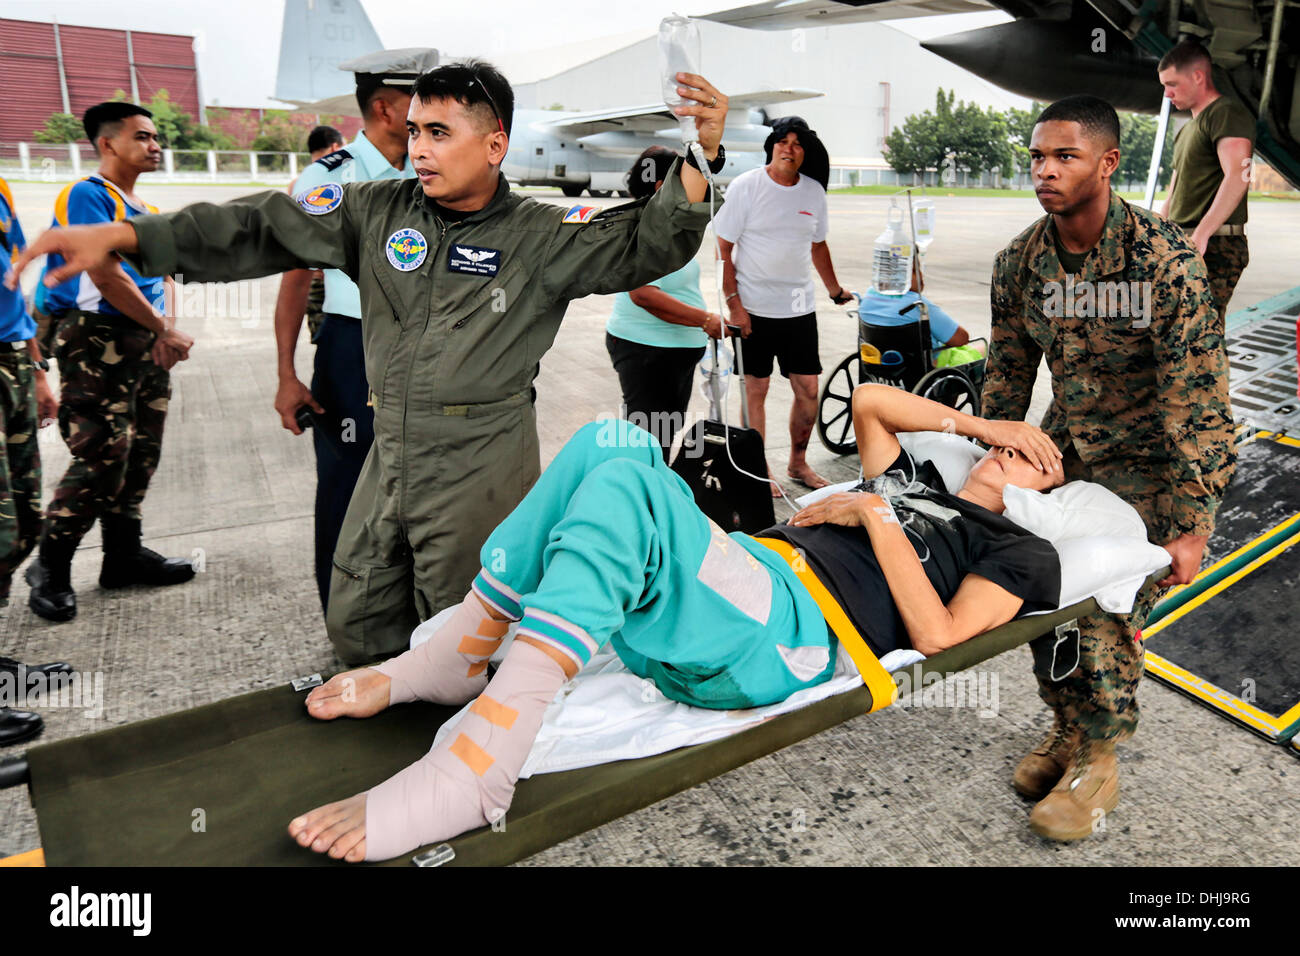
x: 474, y: 260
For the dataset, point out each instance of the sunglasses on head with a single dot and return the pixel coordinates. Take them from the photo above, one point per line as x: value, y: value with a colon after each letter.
x: 491, y: 102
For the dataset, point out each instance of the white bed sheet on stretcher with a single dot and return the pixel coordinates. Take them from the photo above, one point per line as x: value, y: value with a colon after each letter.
x: 607, y: 713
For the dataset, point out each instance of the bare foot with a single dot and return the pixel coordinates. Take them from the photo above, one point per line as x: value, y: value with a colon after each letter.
x: 804, y: 474
x: 338, y: 829
x: 359, y: 693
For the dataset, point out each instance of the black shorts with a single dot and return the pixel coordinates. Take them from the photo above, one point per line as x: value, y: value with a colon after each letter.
x: 792, y: 342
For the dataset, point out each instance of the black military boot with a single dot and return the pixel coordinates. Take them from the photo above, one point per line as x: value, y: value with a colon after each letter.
x: 127, y: 562
x: 50, y: 575
x: 18, y: 725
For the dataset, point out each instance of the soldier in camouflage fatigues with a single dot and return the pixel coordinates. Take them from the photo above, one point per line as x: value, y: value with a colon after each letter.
x: 1226, y: 258
x: 114, y: 405
x: 114, y: 344
x: 20, y: 465
x: 1139, y: 405
x: 1142, y: 410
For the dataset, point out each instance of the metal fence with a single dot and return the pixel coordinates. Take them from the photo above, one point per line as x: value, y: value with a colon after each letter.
x: 843, y: 177
x: 65, y: 162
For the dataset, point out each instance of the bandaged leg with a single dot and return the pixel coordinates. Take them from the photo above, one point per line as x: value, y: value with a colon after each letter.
x: 451, y: 666
x: 468, y: 780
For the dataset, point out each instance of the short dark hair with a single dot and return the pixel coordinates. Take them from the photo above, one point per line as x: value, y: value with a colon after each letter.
x: 650, y: 167
x: 105, y: 119
x: 475, y: 85
x: 1186, y: 54
x: 1097, y: 117
x: 323, y: 137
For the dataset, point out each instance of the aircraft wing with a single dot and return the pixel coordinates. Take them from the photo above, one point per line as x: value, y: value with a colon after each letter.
x: 345, y: 104
x: 655, y: 116
x: 793, y: 14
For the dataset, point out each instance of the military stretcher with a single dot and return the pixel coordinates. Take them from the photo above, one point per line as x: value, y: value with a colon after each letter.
x: 217, y: 785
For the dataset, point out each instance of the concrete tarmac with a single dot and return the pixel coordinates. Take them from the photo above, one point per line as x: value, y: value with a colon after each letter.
x: 921, y: 785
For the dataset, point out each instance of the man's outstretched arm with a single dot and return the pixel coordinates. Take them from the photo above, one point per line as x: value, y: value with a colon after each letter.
x: 244, y: 239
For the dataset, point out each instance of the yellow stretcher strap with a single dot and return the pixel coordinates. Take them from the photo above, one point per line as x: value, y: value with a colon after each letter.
x: 30, y: 858
x: 875, y: 676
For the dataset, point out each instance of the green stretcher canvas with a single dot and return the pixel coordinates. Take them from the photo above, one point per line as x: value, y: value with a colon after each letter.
x: 217, y: 785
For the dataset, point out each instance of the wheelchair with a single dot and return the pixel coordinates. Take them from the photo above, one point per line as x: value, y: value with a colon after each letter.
x: 898, y: 355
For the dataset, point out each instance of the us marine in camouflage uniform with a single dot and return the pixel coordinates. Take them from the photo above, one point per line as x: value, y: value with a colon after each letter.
x: 1139, y: 405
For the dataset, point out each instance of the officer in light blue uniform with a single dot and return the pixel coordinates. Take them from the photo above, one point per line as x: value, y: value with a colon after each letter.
x: 339, y: 396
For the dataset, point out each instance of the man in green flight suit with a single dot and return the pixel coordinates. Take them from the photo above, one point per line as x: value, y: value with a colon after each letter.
x: 463, y: 285
x: 1118, y: 302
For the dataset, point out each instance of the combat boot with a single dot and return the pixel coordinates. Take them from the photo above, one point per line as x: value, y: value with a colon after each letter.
x: 128, y: 562
x: 50, y: 575
x: 1087, y: 791
x: 1043, y: 767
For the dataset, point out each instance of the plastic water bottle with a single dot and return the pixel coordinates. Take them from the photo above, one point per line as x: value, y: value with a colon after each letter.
x: 679, y: 52
x: 891, y: 261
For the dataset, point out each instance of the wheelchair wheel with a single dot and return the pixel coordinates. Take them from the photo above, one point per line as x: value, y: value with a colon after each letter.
x: 835, y: 406
x: 951, y: 387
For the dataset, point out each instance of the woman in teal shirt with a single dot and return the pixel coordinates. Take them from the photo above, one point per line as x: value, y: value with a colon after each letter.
x: 656, y: 334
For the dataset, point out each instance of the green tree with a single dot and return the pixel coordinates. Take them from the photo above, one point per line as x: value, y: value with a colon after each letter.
x: 922, y: 142
x: 957, y: 135
x: 1020, y: 129
x: 981, y: 140
x: 60, y: 128
x: 178, y: 130
x: 277, y: 133
x: 1137, y: 137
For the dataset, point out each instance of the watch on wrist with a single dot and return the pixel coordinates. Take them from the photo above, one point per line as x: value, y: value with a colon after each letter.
x: 715, y: 164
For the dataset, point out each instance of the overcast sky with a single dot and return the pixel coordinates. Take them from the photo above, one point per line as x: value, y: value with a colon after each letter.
x: 238, y: 41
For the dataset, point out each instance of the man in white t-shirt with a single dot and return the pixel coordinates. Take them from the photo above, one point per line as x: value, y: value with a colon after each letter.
x: 772, y: 230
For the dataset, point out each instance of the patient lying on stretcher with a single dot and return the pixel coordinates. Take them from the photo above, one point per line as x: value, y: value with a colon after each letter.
x: 609, y: 546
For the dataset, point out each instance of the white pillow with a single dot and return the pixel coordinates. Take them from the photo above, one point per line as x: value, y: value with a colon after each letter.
x: 1110, y: 568
x: 1079, y: 509
x: 952, y: 455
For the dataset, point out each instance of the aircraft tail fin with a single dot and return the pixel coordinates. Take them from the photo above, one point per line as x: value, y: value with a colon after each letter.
x: 316, y: 36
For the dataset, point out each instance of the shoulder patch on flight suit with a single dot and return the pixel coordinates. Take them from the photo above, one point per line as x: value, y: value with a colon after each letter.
x: 320, y: 199
x: 334, y: 160
x: 580, y: 214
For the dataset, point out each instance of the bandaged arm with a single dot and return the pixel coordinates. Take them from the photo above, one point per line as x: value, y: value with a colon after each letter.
x: 978, y: 606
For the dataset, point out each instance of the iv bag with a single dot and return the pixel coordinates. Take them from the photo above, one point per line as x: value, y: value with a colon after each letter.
x: 679, y: 52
